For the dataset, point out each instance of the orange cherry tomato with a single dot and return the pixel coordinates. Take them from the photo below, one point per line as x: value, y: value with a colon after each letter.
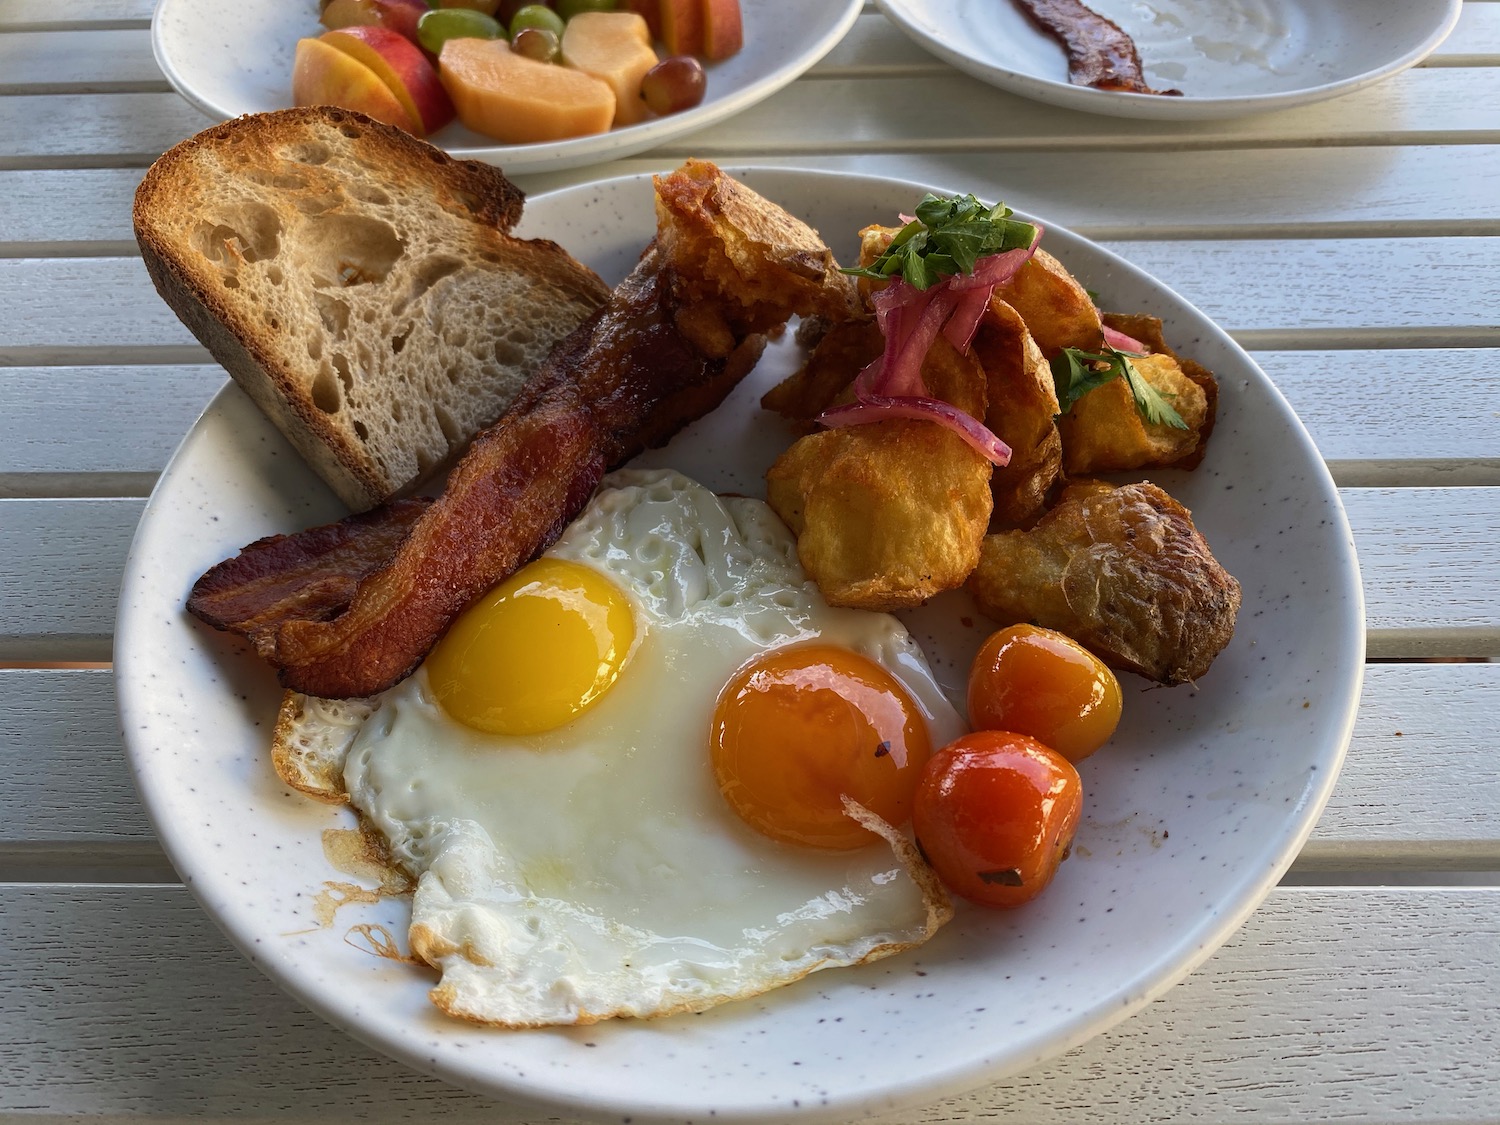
x: 1038, y: 682
x: 995, y: 814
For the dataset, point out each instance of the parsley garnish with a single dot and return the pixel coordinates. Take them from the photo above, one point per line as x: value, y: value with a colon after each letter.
x: 947, y: 237
x: 1076, y: 372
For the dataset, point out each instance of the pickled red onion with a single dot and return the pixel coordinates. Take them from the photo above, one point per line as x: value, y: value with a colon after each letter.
x: 911, y: 319
x: 1123, y: 343
x: 882, y: 408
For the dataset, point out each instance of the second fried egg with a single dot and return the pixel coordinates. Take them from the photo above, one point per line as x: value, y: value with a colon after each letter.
x: 575, y: 854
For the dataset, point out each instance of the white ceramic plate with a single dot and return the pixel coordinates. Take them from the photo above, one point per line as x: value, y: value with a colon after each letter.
x: 1192, y: 813
x: 230, y: 57
x: 1228, y: 57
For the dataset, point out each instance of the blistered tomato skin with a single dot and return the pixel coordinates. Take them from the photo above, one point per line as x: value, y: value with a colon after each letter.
x: 1039, y: 682
x: 995, y: 814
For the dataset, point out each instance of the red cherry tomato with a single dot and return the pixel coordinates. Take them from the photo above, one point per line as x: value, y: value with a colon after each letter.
x: 1038, y: 682
x: 995, y: 814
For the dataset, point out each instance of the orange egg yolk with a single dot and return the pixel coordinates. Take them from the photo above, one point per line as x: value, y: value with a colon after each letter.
x: 535, y: 652
x: 797, y: 730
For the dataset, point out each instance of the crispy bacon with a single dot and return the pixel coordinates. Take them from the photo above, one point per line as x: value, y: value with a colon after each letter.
x: 311, y: 575
x: 674, y: 339
x: 623, y: 381
x: 1100, y: 53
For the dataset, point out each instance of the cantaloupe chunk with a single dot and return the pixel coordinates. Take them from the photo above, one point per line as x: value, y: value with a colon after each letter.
x: 616, y: 48
x: 518, y: 100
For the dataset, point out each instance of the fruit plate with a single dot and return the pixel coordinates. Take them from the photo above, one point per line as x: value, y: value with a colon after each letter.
x: 230, y: 57
x: 1192, y: 813
x: 1228, y: 57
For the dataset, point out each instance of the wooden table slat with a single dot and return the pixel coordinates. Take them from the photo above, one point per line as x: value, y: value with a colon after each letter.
x: 1336, y: 997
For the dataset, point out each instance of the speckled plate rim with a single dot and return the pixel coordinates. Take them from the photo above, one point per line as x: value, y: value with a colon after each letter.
x: 831, y: 21
x: 903, y: 13
x: 1313, y: 737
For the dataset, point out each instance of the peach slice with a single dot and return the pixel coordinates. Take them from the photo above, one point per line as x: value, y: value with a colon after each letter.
x: 403, y: 67
x: 682, y: 26
x: 324, y: 75
x: 616, y: 48
x: 519, y: 100
x: 723, y: 29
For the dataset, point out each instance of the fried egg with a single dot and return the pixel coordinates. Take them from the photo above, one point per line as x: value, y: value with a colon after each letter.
x: 587, y: 777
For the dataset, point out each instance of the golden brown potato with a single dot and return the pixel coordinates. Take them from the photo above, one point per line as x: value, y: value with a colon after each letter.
x: 844, y: 350
x: 890, y: 513
x: 1147, y: 329
x: 1104, y: 431
x: 1122, y: 571
x: 732, y: 238
x: 1056, y: 308
x: 1021, y: 412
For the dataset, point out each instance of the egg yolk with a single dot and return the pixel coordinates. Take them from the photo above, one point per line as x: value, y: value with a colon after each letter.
x: 798, y: 729
x: 535, y: 652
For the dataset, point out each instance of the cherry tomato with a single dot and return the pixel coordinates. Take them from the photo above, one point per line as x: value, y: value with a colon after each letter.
x: 1037, y: 682
x: 995, y: 814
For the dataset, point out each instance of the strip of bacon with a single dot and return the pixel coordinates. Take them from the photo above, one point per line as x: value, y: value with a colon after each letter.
x: 1100, y: 53
x: 625, y: 379
x: 310, y: 575
x: 674, y: 339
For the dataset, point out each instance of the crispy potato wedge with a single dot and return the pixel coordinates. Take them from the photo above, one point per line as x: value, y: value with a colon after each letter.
x: 747, y: 257
x: 1022, y: 411
x: 1104, y: 432
x: 1122, y: 571
x: 890, y: 513
x: 1057, y: 310
x: 844, y: 349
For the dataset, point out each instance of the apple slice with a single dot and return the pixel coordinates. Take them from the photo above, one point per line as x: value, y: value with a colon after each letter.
x: 616, y: 48
x: 324, y: 75
x: 518, y: 100
x: 403, y: 67
x: 648, y: 10
x: 723, y: 29
x: 682, y: 26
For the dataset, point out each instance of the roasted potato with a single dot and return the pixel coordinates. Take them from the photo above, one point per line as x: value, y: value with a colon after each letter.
x: 1057, y: 310
x: 732, y: 237
x: 1122, y: 571
x: 890, y: 513
x: 1021, y: 412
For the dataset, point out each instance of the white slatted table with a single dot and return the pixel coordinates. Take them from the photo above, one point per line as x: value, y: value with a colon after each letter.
x: 1353, y: 246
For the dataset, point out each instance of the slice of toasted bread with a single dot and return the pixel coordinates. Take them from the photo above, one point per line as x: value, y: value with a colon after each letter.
x: 360, y: 285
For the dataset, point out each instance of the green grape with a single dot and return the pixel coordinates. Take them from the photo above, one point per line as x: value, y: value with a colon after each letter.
x: 507, y: 9
x: 537, y: 15
x: 486, y: 6
x: 536, y: 43
x: 570, y: 8
x: 442, y: 24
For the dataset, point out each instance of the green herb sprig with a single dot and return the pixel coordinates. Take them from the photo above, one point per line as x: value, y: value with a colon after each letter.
x: 945, y: 240
x: 1076, y: 372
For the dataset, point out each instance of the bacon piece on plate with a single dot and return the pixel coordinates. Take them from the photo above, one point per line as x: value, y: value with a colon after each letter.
x: 310, y: 575
x: 673, y: 340
x: 1100, y: 53
x: 623, y: 381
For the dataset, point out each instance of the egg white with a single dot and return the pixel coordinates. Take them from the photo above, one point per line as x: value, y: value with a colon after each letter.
x: 595, y: 870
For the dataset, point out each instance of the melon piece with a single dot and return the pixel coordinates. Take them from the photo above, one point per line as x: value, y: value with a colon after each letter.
x: 614, y: 47
x: 518, y: 100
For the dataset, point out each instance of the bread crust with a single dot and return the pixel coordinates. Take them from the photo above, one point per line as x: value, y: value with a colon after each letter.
x: 298, y: 246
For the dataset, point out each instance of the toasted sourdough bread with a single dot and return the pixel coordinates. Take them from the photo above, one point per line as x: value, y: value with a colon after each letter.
x: 360, y: 285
